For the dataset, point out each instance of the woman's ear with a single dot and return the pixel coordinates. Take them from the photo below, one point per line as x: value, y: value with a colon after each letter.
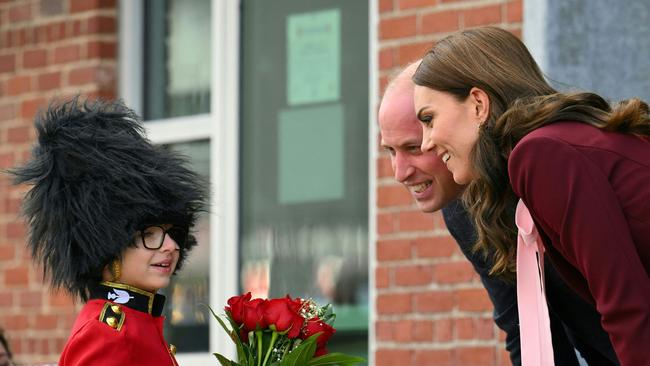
x: 481, y: 104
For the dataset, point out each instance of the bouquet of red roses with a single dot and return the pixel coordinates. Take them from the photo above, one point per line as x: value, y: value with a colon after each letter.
x: 280, y: 332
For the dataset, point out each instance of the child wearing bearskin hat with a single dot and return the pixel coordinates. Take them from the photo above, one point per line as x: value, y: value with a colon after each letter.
x: 110, y: 218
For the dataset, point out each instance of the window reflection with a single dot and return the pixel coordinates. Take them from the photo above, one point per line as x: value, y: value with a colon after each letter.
x: 177, y: 58
x: 188, y: 325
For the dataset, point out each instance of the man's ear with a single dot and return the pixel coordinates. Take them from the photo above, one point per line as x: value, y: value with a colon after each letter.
x: 481, y: 104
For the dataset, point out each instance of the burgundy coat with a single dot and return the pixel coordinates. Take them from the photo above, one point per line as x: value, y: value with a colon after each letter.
x: 589, y: 194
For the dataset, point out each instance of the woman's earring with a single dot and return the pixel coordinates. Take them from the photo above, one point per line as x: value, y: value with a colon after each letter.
x: 116, y: 269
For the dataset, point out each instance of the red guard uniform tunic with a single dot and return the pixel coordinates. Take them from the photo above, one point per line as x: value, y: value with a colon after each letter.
x: 119, y: 325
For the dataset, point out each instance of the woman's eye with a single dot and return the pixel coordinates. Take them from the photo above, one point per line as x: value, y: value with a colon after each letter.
x: 426, y: 120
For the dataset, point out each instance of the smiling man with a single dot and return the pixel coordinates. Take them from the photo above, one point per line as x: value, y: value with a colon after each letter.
x: 433, y: 187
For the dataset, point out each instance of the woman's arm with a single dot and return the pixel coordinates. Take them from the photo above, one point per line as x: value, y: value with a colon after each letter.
x: 575, y: 205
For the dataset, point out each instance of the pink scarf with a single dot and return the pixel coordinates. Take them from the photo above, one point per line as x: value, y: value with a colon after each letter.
x: 534, y: 323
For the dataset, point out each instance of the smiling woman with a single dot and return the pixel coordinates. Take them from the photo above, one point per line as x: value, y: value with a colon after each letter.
x: 580, y: 165
x: 114, y: 232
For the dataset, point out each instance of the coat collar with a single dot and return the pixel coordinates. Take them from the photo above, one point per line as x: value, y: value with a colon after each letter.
x: 129, y: 296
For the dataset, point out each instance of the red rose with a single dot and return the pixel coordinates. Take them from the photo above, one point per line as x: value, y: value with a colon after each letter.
x: 284, y: 314
x: 315, y: 325
x: 236, y: 307
x: 254, y: 315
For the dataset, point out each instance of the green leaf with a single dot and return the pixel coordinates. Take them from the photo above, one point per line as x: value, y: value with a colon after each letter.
x: 339, y: 359
x: 301, y: 354
x: 243, y: 353
x: 224, y: 361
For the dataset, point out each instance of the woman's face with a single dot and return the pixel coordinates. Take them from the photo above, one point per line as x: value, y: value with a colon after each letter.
x: 450, y: 127
x: 149, y: 269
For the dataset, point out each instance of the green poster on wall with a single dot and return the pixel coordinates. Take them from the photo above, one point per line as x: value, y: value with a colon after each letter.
x: 313, y: 57
x: 311, y: 154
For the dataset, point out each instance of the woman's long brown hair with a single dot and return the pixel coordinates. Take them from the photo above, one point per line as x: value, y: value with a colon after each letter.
x: 521, y: 101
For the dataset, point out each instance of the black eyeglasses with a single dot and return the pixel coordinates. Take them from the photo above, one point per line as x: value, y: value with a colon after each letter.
x: 153, y: 236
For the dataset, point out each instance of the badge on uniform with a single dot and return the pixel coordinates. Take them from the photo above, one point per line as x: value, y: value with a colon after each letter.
x: 113, y: 315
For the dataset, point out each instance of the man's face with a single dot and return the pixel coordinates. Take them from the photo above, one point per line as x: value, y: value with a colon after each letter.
x: 423, y: 174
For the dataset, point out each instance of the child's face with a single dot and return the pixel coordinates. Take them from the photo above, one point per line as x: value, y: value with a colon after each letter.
x: 150, y: 269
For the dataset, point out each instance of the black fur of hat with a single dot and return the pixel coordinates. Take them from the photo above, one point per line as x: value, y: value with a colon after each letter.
x: 96, y: 181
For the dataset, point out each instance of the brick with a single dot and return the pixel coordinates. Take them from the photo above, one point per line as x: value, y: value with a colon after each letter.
x: 413, y: 275
x: 424, y: 357
x: 77, y: 6
x: 49, y: 81
x: 18, y: 276
x: 101, y: 25
x: 514, y: 11
x: 19, y: 85
x: 30, y: 299
x: 34, y: 58
x: 45, y: 321
x: 475, y: 356
x: 29, y: 108
x: 412, y: 52
x: 40, y: 33
x: 440, y: 22
x: 435, y: 246
x: 6, y: 300
x: 503, y: 357
x: 385, y: 6
x: 422, y: 331
x: 442, y: 330
x: 399, y: 27
x: 485, y: 15
x: 433, y: 301
x: 382, y: 277
x: 76, y: 28
x: 20, y: 13
x: 485, y: 328
x: 473, y: 300
x: 415, y: 221
x: 7, y: 63
x: 14, y: 322
x: 7, y: 252
x: 393, y: 250
x: 18, y: 135
x: 394, y: 304
x: 383, y: 82
x: 393, y: 195
x: 82, y: 75
x: 65, y: 54
x: 103, y: 50
x: 386, y: 223
x: 410, y: 4
x: 7, y: 112
x: 454, y: 272
x: 386, y: 58
x: 7, y: 161
x: 465, y: 328
x: 55, y: 31
x: 384, y: 167
x: 384, y: 330
x: 16, y: 230
x: 403, y: 331
x: 392, y: 357
x: 59, y: 299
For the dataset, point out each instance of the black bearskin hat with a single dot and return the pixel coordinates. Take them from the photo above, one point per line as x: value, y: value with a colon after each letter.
x: 96, y: 181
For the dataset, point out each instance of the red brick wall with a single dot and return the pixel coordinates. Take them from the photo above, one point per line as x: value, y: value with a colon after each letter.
x: 48, y: 48
x: 431, y: 307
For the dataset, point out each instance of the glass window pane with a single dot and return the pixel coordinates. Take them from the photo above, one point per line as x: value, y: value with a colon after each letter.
x: 304, y: 157
x: 188, y: 324
x: 177, y: 58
